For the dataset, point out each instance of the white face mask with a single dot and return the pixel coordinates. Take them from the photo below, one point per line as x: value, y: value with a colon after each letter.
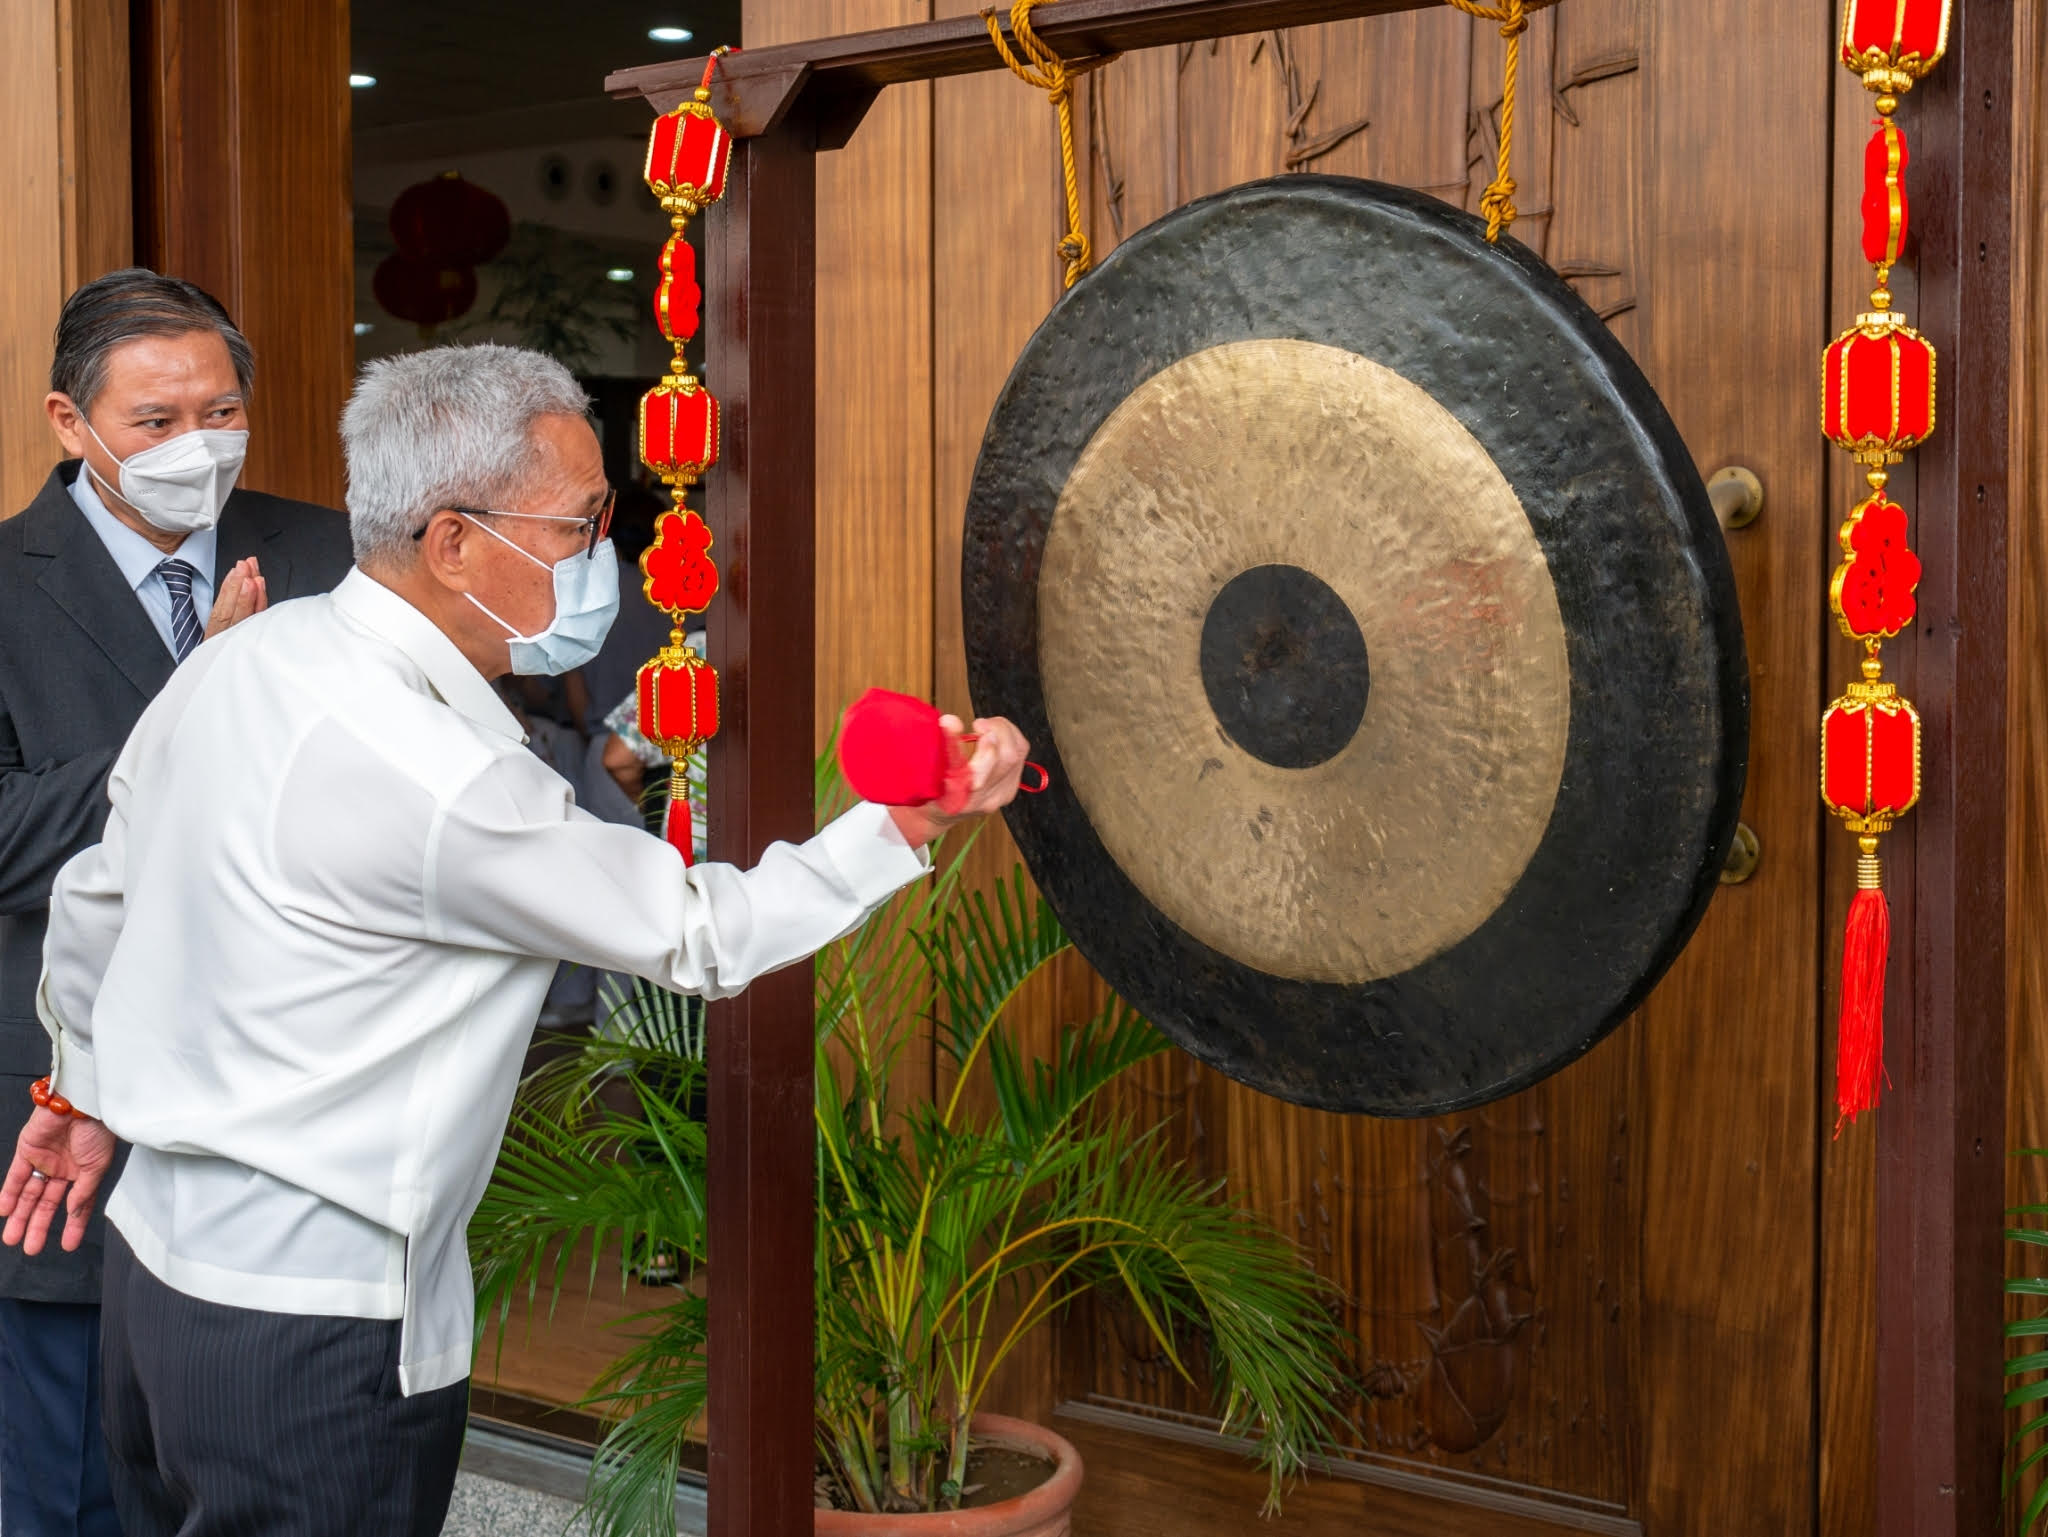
x: 181, y: 484
x: 586, y: 602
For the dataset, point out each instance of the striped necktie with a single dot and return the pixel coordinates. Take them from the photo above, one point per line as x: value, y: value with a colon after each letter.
x: 185, y: 626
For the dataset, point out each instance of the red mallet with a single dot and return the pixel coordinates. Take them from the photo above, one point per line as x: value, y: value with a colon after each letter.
x: 894, y: 751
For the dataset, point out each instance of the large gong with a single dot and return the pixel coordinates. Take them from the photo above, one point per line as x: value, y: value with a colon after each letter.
x: 1378, y: 635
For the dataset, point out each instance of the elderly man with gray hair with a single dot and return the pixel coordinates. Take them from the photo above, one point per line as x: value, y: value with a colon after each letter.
x: 300, y: 972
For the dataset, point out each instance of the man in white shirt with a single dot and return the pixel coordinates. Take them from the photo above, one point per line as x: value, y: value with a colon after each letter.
x: 300, y: 971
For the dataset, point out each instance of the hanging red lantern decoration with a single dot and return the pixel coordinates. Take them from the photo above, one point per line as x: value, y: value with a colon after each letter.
x: 418, y: 291
x: 1877, y: 392
x: 1877, y: 401
x: 447, y: 221
x: 1892, y: 43
x: 1870, y: 777
x: 687, y: 155
x: 679, y: 430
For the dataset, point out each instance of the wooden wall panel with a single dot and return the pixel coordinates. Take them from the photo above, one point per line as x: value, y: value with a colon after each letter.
x: 2027, y: 791
x: 242, y: 165
x: 64, y: 171
x: 1733, y: 310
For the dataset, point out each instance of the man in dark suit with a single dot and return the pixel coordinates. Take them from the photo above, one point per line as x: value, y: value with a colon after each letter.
x: 137, y: 546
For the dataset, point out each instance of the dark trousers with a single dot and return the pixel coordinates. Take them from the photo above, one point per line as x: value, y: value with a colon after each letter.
x: 227, y: 1422
x: 53, y: 1460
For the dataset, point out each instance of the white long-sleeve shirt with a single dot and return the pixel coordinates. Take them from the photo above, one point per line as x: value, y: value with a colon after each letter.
x: 300, y: 972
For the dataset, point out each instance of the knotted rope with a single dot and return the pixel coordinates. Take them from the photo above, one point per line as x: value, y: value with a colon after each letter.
x: 1497, y: 202
x: 1048, y: 71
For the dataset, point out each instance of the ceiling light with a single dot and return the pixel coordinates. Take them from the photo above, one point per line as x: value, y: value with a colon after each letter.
x: 364, y: 328
x: 362, y: 82
x: 619, y: 274
x: 670, y: 34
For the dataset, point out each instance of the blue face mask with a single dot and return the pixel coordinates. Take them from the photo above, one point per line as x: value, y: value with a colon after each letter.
x: 586, y: 602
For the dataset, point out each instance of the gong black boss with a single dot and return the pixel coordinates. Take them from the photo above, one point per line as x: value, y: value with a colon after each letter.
x: 1377, y: 632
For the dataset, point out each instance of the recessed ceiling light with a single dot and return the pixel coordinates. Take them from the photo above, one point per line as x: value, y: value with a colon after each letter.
x: 619, y: 274
x: 670, y: 34
x: 364, y: 328
x: 362, y: 82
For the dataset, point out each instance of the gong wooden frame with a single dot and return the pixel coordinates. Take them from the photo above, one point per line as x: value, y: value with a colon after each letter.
x: 1941, y: 1130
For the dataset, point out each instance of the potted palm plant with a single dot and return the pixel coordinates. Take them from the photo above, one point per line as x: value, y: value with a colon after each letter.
x: 948, y: 1228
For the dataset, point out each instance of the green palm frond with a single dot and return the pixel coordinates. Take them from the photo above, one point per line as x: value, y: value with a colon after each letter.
x: 2023, y: 1369
x: 946, y: 1232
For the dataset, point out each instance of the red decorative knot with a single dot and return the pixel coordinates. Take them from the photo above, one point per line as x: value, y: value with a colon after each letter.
x: 1870, y: 757
x: 687, y: 155
x: 678, y: 568
x: 677, y: 296
x: 1892, y: 43
x: 679, y: 429
x: 1872, y: 590
x: 1877, y: 388
x: 1884, y: 195
x: 678, y: 699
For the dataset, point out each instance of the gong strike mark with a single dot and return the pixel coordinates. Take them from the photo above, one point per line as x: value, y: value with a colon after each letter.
x: 1284, y: 666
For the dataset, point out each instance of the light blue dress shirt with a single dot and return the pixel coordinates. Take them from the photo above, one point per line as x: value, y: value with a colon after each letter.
x: 138, y: 558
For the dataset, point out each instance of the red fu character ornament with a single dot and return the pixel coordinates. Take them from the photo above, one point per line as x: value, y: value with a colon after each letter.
x: 687, y: 155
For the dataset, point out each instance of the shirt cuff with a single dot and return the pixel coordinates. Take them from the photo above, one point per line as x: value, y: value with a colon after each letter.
x: 72, y: 1071
x: 869, y: 851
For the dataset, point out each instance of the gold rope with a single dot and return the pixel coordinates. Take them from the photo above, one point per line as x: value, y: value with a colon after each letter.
x: 1497, y: 202
x: 1048, y: 71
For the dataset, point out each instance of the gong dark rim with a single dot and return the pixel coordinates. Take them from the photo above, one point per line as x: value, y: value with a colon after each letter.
x: 1658, y: 738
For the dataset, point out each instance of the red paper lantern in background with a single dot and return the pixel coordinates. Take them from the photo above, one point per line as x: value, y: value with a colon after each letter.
x: 1892, y: 43
x: 679, y: 429
x: 1877, y: 390
x: 421, y: 292
x: 449, y: 222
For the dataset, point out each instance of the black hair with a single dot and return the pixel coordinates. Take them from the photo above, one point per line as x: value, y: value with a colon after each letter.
x: 127, y: 304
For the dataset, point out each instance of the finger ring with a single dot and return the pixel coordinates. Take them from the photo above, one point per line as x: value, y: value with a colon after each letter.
x: 37, y: 1174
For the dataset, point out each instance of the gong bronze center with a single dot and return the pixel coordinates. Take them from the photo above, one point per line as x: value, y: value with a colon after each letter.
x: 1325, y: 743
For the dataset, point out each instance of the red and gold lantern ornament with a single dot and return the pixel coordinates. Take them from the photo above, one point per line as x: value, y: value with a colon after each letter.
x: 1870, y: 777
x: 1877, y: 387
x: 1893, y: 43
x: 1877, y: 402
x: 687, y: 155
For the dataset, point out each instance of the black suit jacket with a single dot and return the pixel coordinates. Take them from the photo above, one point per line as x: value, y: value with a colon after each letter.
x: 79, y: 660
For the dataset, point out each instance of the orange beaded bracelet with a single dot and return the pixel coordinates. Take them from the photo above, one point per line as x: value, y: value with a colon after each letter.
x: 56, y: 1104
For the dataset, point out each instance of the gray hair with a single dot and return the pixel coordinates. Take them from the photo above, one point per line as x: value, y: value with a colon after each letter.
x: 451, y: 426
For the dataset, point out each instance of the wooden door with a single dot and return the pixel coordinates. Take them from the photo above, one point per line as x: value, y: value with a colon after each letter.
x: 1592, y: 1304
x: 1634, y: 1298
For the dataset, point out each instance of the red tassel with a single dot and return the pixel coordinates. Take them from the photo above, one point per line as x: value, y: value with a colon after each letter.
x: 679, y: 833
x: 1866, y: 947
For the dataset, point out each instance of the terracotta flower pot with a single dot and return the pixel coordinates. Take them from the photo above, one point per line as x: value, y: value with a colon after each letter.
x: 1040, y: 1512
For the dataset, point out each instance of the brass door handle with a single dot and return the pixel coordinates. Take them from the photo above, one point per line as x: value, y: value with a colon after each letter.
x: 1744, y: 854
x: 1737, y: 494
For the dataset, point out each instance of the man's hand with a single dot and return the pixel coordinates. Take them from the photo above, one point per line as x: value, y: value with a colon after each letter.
x: 992, y: 776
x: 241, y: 594
x: 56, y: 1155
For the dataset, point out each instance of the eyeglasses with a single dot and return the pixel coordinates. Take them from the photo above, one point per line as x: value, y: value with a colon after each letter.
x: 598, y: 524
